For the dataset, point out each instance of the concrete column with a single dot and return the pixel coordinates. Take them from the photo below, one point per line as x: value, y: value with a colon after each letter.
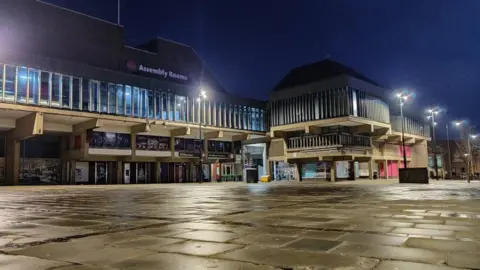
x: 265, y: 160
x: 370, y: 169
x: 386, y: 168
x: 73, y: 166
x: 297, y: 172
x: 333, y: 171
x: 64, y: 172
x: 12, y: 160
x: 158, y: 172
x: 119, y: 172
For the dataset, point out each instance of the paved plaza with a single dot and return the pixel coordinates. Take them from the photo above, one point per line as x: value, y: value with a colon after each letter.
x: 350, y: 225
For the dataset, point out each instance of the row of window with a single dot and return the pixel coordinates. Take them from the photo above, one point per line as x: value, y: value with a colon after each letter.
x: 37, y: 87
x: 328, y: 104
x: 411, y: 126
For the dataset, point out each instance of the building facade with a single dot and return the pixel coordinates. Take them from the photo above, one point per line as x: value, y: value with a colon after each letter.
x: 329, y: 121
x: 117, y: 114
x: 78, y: 106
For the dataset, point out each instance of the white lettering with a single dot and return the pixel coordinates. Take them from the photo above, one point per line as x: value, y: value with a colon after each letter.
x: 162, y: 72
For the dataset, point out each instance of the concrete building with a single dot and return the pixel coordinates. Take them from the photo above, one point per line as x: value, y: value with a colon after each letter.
x: 329, y: 121
x: 78, y: 106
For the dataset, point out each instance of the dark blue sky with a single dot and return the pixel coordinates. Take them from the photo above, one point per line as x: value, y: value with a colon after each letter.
x: 431, y: 46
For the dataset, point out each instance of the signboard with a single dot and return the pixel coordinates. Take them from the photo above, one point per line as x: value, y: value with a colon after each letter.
x: 184, y: 154
x: 219, y: 155
x: 108, y: 140
x: 153, y: 143
x: 315, y: 170
x: 81, y: 172
x: 161, y: 72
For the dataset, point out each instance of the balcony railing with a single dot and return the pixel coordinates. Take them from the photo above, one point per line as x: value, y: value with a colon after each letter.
x: 329, y: 141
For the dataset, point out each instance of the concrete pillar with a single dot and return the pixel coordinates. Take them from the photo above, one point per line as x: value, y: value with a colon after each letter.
x: 386, y: 168
x: 12, y: 160
x: 333, y: 171
x: 297, y: 172
x: 158, y: 172
x: 265, y: 161
x: 370, y: 169
x: 119, y: 172
x: 73, y: 166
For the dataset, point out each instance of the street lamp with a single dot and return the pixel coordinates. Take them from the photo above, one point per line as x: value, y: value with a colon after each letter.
x: 432, y: 113
x: 402, y: 98
x: 469, y: 154
x: 201, y: 97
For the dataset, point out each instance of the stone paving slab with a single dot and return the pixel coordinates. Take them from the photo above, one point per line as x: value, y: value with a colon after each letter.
x: 237, y: 226
x: 11, y: 262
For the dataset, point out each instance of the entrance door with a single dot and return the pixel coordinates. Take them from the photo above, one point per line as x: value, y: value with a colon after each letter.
x: 126, y: 173
x: 101, y: 173
x: 142, y: 173
x: 180, y: 173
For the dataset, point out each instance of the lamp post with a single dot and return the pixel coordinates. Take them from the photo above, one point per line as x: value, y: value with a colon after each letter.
x: 201, y: 97
x: 402, y: 98
x: 433, y: 112
x: 449, y: 154
x: 469, y: 154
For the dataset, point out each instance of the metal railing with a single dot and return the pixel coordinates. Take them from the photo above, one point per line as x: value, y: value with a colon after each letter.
x: 330, y: 140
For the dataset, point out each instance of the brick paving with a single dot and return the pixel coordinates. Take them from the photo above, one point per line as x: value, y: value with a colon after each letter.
x: 349, y: 225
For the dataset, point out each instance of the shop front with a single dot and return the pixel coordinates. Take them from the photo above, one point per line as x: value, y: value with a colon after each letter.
x: 254, y: 161
x: 223, y: 165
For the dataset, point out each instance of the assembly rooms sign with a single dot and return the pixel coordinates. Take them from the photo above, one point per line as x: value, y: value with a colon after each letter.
x: 132, y: 66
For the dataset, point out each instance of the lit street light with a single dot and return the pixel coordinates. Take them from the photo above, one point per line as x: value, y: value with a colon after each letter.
x: 469, y: 154
x: 433, y: 112
x: 201, y: 97
x: 402, y: 98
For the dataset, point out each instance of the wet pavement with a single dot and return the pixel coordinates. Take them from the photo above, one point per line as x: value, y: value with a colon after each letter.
x: 349, y: 225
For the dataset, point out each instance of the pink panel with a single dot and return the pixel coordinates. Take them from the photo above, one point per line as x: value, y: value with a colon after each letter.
x: 407, y: 148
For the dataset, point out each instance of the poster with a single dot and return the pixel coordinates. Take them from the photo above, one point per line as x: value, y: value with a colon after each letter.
x: 101, y: 173
x: 81, y: 172
x: 39, y: 171
x: 316, y: 170
x: 342, y: 169
x: 141, y: 172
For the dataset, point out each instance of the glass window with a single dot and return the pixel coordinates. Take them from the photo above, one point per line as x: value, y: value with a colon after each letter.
x: 180, y: 108
x: 1, y: 80
x: 22, y: 82
x: 85, y: 94
x: 56, y: 78
x: 143, y: 107
x: 76, y: 93
x: 94, y: 96
x: 128, y: 100
x: 171, y: 107
x: 103, y: 97
x: 164, y: 106
x: 112, y: 99
x: 33, y: 85
x: 45, y: 78
x: 66, y: 91
x: 10, y: 72
x: 158, y: 105
x: 136, y: 102
x: 151, y: 105
x: 120, y: 100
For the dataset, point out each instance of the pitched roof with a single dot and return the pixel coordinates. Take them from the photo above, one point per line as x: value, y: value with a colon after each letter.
x: 317, y: 72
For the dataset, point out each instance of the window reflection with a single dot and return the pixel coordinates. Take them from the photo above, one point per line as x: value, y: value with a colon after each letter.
x: 94, y: 96
x: 33, y: 85
x: 45, y: 88
x: 180, y: 108
x: 76, y: 93
x: 151, y: 104
x: 136, y: 102
x: 112, y: 99
x: 55, y: 90
x: 9, y: 83
x: 22, y: 82
x: 103, y: 97
x: 1, y: 80
x: 120, y: 100
x: 85, y: 94
x: 128, y: 100
x: 66, y: 91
